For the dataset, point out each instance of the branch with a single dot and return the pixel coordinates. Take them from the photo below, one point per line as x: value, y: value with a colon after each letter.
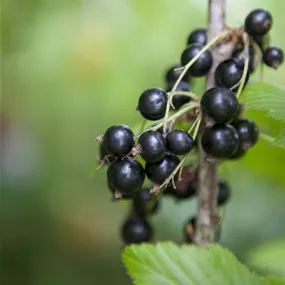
x: 207, y: 218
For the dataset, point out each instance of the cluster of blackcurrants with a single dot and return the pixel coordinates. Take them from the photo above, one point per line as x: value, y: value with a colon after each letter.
x: 227, y: 135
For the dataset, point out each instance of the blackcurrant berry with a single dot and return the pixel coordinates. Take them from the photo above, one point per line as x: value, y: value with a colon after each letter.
x: 224, y: 192
x: 179, y: 142
x: 118, y: 140
x: 220, y: 104
x: 158, y: 172
x: 152, y: 104
x: 273, y: 57
x: 179, y: 100
x: 136, y: 230
x: 240, y: 56
x: 126, y: 175
x: 198, y: 36
x: 238, y: 154
x: 258, y: 22
x: 144, y: 203
x: 104, y: 154
x: 124, y: 196
x: 221, y: 140
x: 247, y: 131
x: 160, y: 130
x: 202, y: 64
x: 153, y: 146
x: 184, y: 189
x: 229, y: 74
x: 173, y: 74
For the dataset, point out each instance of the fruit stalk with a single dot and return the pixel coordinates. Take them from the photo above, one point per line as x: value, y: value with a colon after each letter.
x: 207, y: 218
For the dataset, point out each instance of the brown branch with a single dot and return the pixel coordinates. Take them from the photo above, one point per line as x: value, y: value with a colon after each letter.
x: 207, y: 217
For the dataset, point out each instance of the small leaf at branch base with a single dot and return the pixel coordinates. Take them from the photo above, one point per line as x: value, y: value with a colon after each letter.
x: 169, y: 264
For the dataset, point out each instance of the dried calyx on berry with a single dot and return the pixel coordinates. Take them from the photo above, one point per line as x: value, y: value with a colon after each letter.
x: 273, y: 57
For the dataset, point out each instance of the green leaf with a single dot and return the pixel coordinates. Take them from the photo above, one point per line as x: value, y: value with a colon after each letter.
x: 169, y: 264
x: 264, y: 96
x: 269, y: 257
x: 280, y: 140
x: 270, y: 280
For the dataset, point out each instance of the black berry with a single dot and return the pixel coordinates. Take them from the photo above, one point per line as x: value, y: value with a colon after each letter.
x: 144, y: 203
x: 258, y: 22
x: 273, y: 57
x: 198, y: 36
x: 126, y: 175
x: 172, y: 75
x: 124, y: 196
x: 184, y: 188
x: 240, y: 55
x: 179, y: 100
x: 202, y: 64
x: 221, y: 140
x: 105, y: 155
x: 247, y: 131
x: 160, y: 130
x: 152, y: 104
x: 238, y: 154
x: 179, y: 142
x: 136, y: 230
x: 118, y: 140
x: 153, y: 146
x: 220, y: 104
x: 229, y: 74
x: 158, y: 172
x: 224, y: 192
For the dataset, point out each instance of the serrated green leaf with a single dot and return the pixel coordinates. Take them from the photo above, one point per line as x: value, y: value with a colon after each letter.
x: 264, y: 96
x: 169, y: 264
x: 280, y: 140
x: 269, y: 257
x: 270, y: 280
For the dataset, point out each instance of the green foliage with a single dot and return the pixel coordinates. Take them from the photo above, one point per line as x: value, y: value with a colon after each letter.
x: 269, y: 98
x: 269, y: 257
x: 270, y: 280
x: 167, y: 263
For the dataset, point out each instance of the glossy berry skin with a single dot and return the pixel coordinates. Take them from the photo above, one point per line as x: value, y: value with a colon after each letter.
x: 258, y: 22
x: 158, y: 172
x: 153, y: 146
x: 126, y: 175
x: 143, y: 203
x: 179, y: 100
x: 273, y: 57
x: 220, y: 141
x: 229, y: 74
x: 198, y: 36
x: 118, y: 140
x: 238, y: 154
x: 224, y: 193
x: 247, y: 131
x: 152, y: 104
x: 239, y: 55
x: 183, y: 189
x: 179, y: 142
x: 160, y: 130
x: 125, y: 196
x: 202, y: 64
x: 136, y: 230
x: 172, y: 75
x: 220, y: 104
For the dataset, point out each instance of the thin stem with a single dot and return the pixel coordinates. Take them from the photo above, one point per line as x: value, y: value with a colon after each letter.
x: 189, y: 94
x: 193, y: 125
x: 266, y: 137
x: 214, y: 41
x: 143, y: 125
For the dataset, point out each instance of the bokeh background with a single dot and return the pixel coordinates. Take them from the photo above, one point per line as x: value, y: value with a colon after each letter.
x: 70, y: 69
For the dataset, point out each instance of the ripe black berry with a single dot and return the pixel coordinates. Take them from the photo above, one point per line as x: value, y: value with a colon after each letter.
x: 158, y: 172
x: 152, y: 104
x: 118, y: 140
x: 202, y: 64
x: 258, y: 22
x: 179, y: 142
x: 172, y: 75
x: 104, y: 154
x: 143, y: 203
x: 198, y: 36
x: 184, y: 189
x: 240, y: 56
x: 229, y: 74
x: 238, y: 154
x: 136, y: 230
x: 160, y: 130
x: 273, y: 57
x: 179, y: 100
x: 126, y: 175
x: 220, y: 104
x: 220, y: 141
x: 153, y: 146
x: 247, y: 131
x: 224, y: 192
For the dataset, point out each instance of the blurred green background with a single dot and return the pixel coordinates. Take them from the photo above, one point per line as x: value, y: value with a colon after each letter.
x: 70, y: 69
